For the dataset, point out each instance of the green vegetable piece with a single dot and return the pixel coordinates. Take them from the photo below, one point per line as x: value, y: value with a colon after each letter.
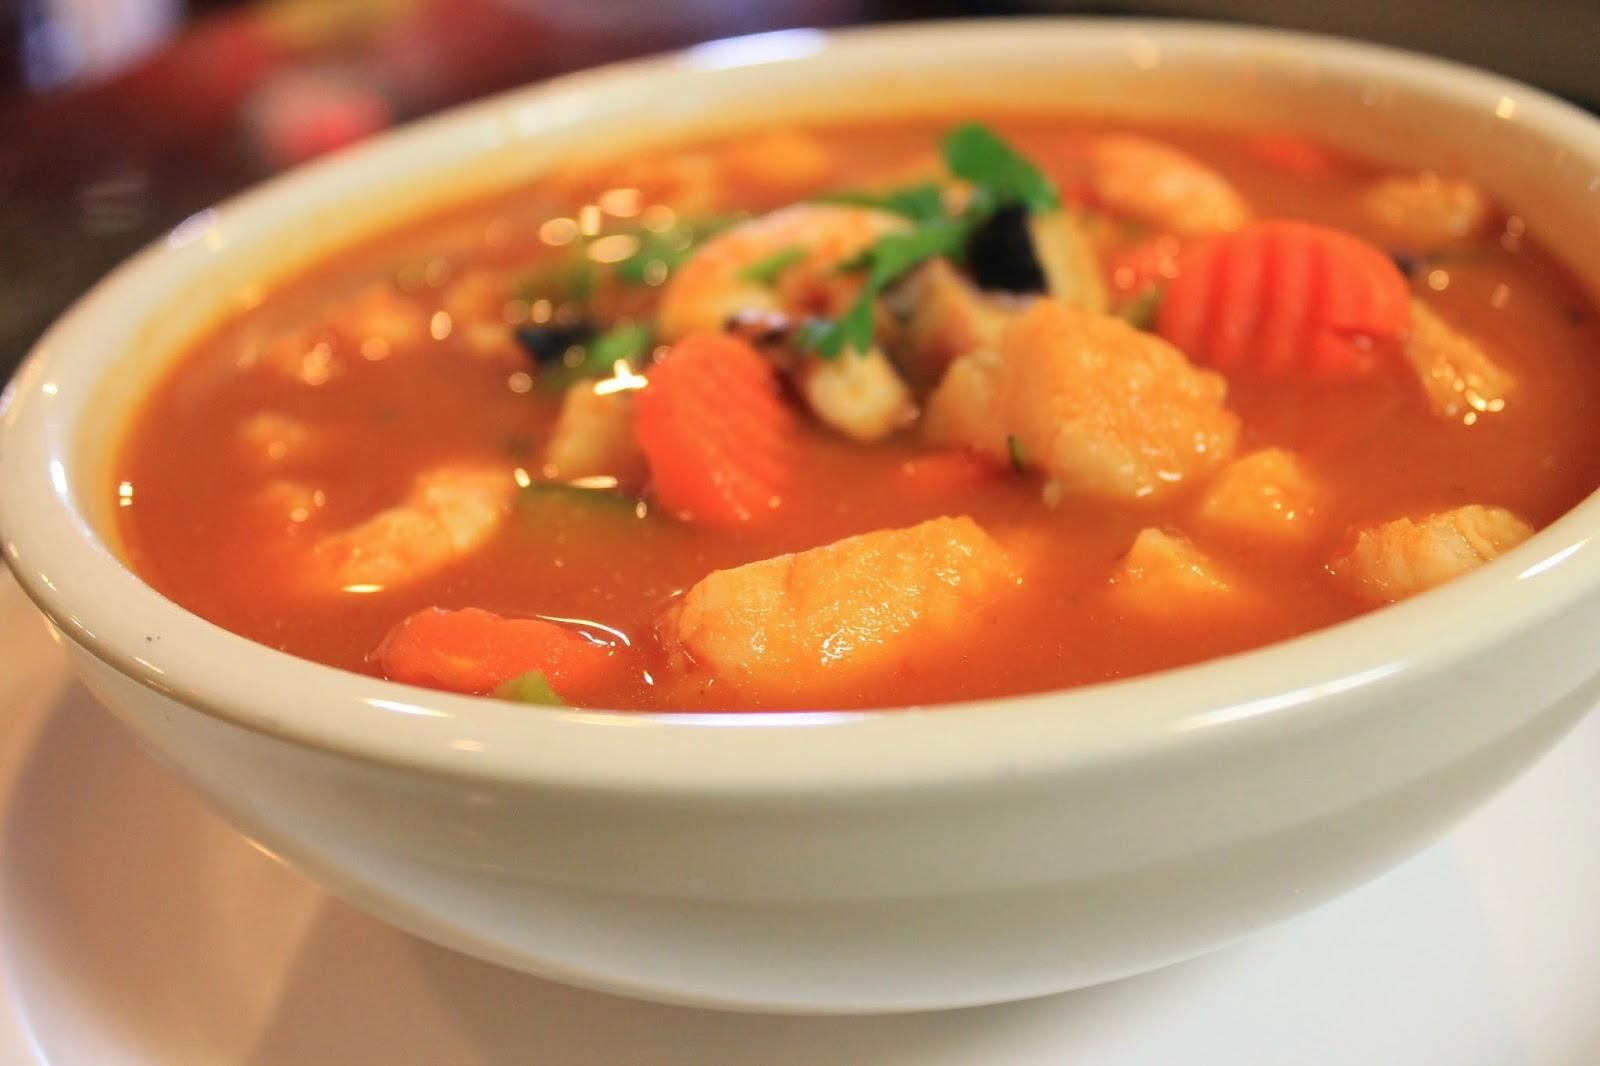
x: 630, y: 340
x: 887, y: 259
x: 830, y: 338
x: 893, y: 255
x: 999, y: 174
x: 1140, y: 312
x: 531, y: 687
x: 766, y: 271
x: 919, y: 203
x: 1014, y: 449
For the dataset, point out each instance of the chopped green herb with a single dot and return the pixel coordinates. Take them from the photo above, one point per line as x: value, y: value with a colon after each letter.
x: 1140, y: 312
x: 998, y: 173
x: 1014, y: 449
x: 765, y: 271
x: 630, y: 341
x: 999, y: 176
x: 893, y: 255
x: 830, y: 337
x: 531, y: 687
x: 886, y: 260
x: 919, y: 203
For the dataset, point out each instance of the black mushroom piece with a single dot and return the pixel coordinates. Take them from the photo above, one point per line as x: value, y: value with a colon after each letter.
x: 1000, y: 253
x: 1019, y: 251
x: 550, y: 342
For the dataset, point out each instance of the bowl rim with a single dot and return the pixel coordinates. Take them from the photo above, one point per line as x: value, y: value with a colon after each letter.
x: 104, y: 609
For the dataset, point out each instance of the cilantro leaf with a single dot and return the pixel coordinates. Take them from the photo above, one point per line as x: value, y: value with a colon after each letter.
x: 765, y: 271
x: 999, y: 174
x: 919, y: 203
x: 1000, y: 177
x: 630, y: 340
x: 892, y: 255
x: 830, y: 338
x: 886, y: 260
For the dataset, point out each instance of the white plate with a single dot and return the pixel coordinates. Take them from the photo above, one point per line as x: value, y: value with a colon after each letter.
x: 136, y: 928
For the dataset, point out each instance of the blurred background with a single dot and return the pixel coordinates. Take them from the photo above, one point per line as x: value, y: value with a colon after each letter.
x: 118, y: 118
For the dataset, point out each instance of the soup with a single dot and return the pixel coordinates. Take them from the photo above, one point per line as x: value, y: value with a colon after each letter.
x: 872, y: 415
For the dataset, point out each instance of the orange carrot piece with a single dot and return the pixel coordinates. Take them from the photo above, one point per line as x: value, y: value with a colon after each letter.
x: 1282, y: 296
x: 475, y: 651
x: 947, y: 473
x: 715, y: 432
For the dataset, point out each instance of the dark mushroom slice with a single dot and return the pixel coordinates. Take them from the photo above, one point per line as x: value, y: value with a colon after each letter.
x: 1050, y: 253
x: 548, y: 344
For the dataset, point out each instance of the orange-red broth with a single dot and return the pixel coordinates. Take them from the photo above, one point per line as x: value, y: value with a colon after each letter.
x: 194, y: 528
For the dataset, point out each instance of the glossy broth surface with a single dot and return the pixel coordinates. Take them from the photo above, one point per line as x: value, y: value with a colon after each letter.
x: 222, y: 527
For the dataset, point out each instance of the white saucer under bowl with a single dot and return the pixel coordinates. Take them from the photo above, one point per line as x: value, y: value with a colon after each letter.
x: 136, y: 928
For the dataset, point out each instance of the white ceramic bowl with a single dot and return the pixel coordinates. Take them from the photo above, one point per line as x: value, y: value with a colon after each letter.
x: 839, y: 862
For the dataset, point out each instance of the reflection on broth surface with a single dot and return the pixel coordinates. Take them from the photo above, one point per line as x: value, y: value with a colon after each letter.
x: 891, y: 413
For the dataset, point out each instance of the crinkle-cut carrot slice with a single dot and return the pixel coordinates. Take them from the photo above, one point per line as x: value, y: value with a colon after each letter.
x: 1284, y: 296
x: 715, y: 432
x: 475, y: 651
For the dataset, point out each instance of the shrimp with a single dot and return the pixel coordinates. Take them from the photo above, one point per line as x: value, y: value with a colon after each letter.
x: 450, y: 512
x: 1401, y: 558
x: 1103, y: 409
x: 1459, y: 379
x: 1158, y: 184
x: 713, y: 286
x: 375, y: 323
x: 1425, y: 212
x: 819, y: 624
x: 859, y: 394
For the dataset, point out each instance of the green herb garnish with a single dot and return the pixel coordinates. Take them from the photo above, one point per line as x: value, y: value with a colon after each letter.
x: 919, y: 203
x: 886, y: 260
x: 532, y: 687
x: 999, y: 177
x: 629, y: 341
x: 998, y: 174
x: 765, y: 271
